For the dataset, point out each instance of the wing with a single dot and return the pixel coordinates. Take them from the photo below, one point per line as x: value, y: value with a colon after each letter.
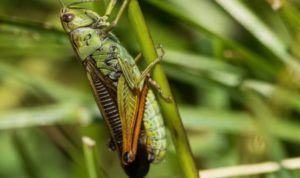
x: 105, y: 97
x: 131, y: 109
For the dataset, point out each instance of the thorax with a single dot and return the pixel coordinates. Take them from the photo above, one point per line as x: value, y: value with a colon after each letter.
x: 85, y: 41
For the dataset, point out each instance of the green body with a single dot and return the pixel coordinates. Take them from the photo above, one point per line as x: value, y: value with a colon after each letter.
x: 112, y: 60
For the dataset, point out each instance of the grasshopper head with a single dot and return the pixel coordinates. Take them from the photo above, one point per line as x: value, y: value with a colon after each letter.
x: 74, y: 17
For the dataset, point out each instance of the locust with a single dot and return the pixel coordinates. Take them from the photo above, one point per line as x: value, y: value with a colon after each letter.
x: 123, y: 93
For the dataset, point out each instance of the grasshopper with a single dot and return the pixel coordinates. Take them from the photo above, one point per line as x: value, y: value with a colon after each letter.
x: 121, y: 90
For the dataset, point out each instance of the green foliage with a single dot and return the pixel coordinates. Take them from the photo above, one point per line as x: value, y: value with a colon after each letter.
x: 233, y: 67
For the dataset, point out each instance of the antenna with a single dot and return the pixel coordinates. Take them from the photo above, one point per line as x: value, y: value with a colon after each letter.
x: 62, y: 3
x: 80, y: 2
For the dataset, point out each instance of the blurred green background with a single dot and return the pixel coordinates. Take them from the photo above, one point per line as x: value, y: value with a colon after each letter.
x: 233, y: 67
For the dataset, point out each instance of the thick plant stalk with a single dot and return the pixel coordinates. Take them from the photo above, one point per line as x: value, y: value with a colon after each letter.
x: 169, y: 110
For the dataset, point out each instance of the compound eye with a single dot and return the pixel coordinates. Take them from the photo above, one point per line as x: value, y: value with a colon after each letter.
x: 68, y: 17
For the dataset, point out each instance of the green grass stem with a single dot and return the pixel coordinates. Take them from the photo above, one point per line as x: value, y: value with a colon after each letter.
x: 169, y: 110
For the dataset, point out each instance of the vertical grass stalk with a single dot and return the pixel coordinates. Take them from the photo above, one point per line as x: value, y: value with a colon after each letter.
x: 169, y: 110
x: 90, y: 155
x: 27, y: 163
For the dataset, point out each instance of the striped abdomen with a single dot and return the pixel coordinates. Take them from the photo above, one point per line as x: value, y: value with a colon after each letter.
x: 154, y: 128
x: 107, y: 104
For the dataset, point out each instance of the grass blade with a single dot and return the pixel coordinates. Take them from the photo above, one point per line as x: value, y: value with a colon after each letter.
x: 169, y: 109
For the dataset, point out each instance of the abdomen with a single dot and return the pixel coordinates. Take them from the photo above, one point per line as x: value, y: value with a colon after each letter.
x: 155, y: 129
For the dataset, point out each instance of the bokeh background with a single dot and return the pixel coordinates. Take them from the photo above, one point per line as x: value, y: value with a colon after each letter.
x: 233, y: 67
